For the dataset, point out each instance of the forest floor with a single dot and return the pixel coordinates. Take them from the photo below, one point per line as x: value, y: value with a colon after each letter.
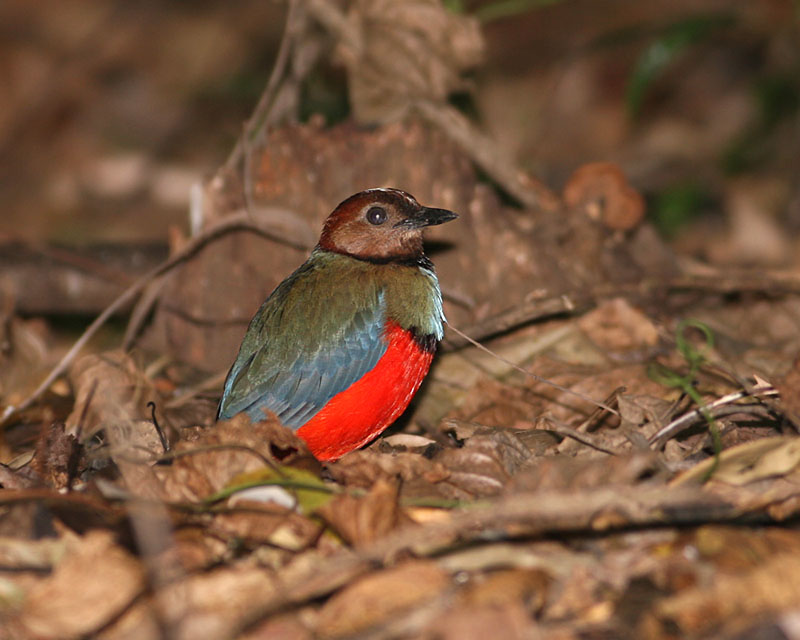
x: 606, y: 445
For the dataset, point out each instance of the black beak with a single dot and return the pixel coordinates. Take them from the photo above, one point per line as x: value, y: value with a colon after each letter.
x: 426, y: 217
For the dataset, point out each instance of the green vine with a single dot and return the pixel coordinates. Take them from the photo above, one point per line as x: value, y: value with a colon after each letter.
x: 695, y: 358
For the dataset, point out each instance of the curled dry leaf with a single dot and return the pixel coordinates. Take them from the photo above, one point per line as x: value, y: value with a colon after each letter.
x: 361, y: 520
x: 362, y: 469
x: 380, y: 597
x: 403, y: 50
x: 94, y: 582
x: 207, y: 464
x: 112, y: 395
x: 637, y: 411
x: 485, y: 463
x: 602, y: 192
x: 748, y: 462
x: 480, y: 467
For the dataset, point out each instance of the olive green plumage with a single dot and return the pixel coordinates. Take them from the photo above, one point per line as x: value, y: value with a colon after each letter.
x: 321, y: 329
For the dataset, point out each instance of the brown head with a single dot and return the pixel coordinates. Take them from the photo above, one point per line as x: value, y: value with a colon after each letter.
x: 381, y: 225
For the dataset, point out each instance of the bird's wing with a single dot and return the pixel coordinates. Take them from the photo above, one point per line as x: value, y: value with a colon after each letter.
x: 295, y: 376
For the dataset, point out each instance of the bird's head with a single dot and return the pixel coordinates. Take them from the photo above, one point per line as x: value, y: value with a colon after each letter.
x: 380, y: 224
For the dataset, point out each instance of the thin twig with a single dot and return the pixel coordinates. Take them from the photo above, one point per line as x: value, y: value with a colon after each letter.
x: 141, y: 310
x: 611, y: 400
x: 239, y: 221
x: 556, y: 426
x: 261, y: 112
x: 714, y: 408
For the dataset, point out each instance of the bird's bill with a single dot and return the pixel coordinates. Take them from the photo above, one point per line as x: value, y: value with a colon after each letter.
x: 426, y: 217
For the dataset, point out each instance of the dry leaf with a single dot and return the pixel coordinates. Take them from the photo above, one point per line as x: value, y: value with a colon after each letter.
x: 748, y: 462
x: 212, y: 605
x: 772, y: 586
x: 377, y: 598
x: 361, y: 469
x: 24, y: 352
x: 526, y: 586
x: 280, y: 628
x: 263, y: 524
x: 789, y: 388
x: 509, y: 621
x: 112, y: 395
x: 485, y: 463
x: 364, y: 519
x: 94, y: 582
x: 208, y: 463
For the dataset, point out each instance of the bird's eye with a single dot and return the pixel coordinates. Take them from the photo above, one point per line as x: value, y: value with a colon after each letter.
x: 376, y: 215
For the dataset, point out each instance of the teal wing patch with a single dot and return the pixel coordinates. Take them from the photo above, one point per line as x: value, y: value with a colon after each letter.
x: 294, y: 373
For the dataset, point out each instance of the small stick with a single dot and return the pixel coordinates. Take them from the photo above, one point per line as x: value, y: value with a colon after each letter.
x: 556, y: 426
x: 261, y: 112
x: 718, y: 407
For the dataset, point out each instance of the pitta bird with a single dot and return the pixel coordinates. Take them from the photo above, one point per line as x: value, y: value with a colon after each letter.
x: 341, y: 346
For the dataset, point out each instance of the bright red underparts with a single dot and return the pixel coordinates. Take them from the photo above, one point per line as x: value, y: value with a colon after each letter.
x: 360, y: 412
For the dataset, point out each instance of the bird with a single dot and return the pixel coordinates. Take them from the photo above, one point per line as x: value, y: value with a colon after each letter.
x: 339, y: 348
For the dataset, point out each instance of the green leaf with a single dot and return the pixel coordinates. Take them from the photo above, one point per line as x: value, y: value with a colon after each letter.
x: 686, y: 383
x: 309, y: 491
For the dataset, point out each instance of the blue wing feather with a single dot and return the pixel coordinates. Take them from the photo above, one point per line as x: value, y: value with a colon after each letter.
x: 296, y: 390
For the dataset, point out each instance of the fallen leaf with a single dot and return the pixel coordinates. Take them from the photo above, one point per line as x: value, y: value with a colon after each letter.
x: 210, y: 461
x: 525, y: 586
x: 361, y: 520
x: 484, y: 464
x: 748, y: 462
x: 288, y: 486
x: 377, y: 598
x: 111, y: 395
x: 772, y: 586
x: 94, y: 582
x: 509, y: 621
